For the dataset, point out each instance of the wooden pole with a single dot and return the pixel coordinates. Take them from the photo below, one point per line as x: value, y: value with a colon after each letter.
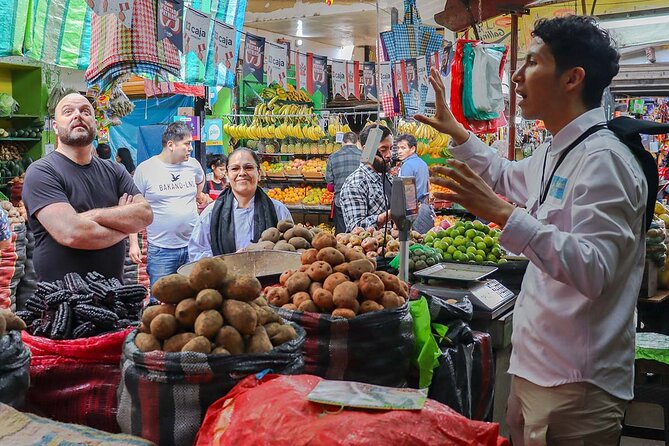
x: 584, y: 7
x: 511, y: 152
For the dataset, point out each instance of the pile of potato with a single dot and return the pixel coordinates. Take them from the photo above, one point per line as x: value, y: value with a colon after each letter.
x: 211, y: 312
x: 285, y: 237
x: 338, y: 280
x: 13, y: 214
x: 371, y: 241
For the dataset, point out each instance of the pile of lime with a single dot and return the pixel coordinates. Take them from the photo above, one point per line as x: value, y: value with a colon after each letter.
x: 467, y: 242
x: 422, y: 257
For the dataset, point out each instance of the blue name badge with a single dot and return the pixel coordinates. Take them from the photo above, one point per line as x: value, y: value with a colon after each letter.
x: 558, y: 185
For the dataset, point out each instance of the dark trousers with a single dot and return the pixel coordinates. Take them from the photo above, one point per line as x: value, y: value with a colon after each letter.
x: 340, y: 225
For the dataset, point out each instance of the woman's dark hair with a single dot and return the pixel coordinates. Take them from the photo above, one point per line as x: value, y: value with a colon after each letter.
x: 577, y: 41
x: 104, y: 151
x: 216, y: 160
x: 126, y: 159
x: 385, y: 131
x: 238, y: 150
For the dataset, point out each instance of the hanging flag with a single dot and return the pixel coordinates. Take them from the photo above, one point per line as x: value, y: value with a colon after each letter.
x: 196, y: 30
x: 353, y: 78
x: 122, y: 9
x: 319, y: 75
x: 421, y: 67
x: 385, y: 79
x: 277, y: 60
x: 301, y: 71
x: 254, y: 57
x: 413, y: 88
x: 397, y: 78
x: 170, y: 19
x: 224, y: 45
x: 434, y: 60
x: 369, y: 80
x: 339, y: 84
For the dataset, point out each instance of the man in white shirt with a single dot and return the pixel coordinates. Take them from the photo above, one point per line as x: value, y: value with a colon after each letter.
x: 170, y: 182
x: 582, y: 229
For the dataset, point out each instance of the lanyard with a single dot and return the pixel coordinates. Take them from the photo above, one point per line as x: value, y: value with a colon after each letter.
x: 569, y: 148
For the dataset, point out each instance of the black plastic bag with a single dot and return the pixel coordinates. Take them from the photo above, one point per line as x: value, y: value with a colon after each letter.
x: 14, y: 369
x: 163, y: 397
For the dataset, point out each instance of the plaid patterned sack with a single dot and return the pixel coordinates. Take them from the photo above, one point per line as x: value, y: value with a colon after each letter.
x: 75, y: 381
x: 373, y: 348
x: 163, y: 397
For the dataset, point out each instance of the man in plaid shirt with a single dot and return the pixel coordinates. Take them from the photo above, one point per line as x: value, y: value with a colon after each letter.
x: 362, y: 196
x: 340, y: 166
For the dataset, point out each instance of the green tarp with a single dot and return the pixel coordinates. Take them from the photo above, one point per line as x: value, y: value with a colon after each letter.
x: 15, y: 15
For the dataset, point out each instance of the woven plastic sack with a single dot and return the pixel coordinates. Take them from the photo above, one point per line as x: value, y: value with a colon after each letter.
x: 14, y: 369
x: 274, y: 411
x: 28, y: 283
x: 12, y: 264
x: 15, y: 15
x: 374, y: 348
x: 75, y: 381
x: 163, y: 396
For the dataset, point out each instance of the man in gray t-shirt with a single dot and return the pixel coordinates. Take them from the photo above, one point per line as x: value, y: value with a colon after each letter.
x: 170, y: 182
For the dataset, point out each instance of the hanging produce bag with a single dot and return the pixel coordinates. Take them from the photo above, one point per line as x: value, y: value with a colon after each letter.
x: 14, y: 369
x: 275, y: 411
x: 163, y: 396
x: 478, y: 92
x: 12, y: 264
x: 75, y: 381
x: 15, y: 15
x: 374, y: 348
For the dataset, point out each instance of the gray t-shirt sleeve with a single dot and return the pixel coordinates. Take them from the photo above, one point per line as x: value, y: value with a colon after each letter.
x: 42, y: 187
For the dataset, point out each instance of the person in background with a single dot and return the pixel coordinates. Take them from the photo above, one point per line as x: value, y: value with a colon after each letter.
x: 170, y: 182
x: 582, y: 227
x: 339, y: 166
x: 362, y: 195
x: 240, y: 213
x: 413, y: 166
x: 103, y: 151
x: 214, y: 186
x: 80, y: 207
x: 124, y: 157
x: 5, y: 231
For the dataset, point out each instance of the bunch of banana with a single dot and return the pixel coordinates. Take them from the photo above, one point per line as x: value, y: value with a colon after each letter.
x: 297, y: 95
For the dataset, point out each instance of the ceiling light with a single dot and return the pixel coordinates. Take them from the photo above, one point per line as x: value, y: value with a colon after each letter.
x: 299, y: 42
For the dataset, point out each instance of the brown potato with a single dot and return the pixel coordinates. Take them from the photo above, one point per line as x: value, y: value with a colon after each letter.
x: 282, y: 334
x: 333, y: 280
x: 298, y: 282
x: 278, y: 295
x: 262, y: 301
x: 3, y: 326
x: 284, y: 225
x: 230, y: 339
x: 282, y: 245
x: 240, y: 315
x: 345, y: 295
x: 209, y: 272
x: 13, y: 322
x: 290, y: 307
x: 300, y: 297
x: 368, y: 306
x: 404, y: 292
x: 289, y: 234
x: 198, y: 344
x: 186, y: 313
x: 324, y: 240
x: 266, y: 314
x: 319, y: 271
x: 391, y: 300
x: 272, y: 328
x: 208, y: 323
x: 209, y: 299
x: 341, y: 268
x: 308, y: 306
x: 323, y: 299
x: 172, y: 289
x: 144, y: 328
x: 390, y: 282
x: 309, y: 256
x: 358, y: 267
x: 301, y: 231
x: 371, y: 286
x: 299, y: 242
x: 146, y: 342
x: 346, y: 313
x: 285, y: 275
x: 244, y: 288
x: 164, y: 326
x: 154, y: 310
x: 220, y: 351
x: 271, y: 234
x: 259, y: 341
x: 176, y: 343
x: 331, y: 255
x: 303, y: 268
x: 352, y: 255
x: 314, y: 286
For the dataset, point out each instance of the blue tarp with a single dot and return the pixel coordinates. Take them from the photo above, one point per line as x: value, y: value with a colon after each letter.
x: 143, y: 142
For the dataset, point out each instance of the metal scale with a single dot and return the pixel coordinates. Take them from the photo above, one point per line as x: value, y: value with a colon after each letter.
x: 448, y: 280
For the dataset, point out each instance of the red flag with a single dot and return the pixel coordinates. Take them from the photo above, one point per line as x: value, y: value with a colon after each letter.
x: 310, y: 73
x: 405, y: 84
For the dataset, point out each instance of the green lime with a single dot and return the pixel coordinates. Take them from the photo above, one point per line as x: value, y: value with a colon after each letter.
x: 496, y: 252
x: 441, y: 245
x: 428, y: 239
x: 480, y: 252
x: 470, y: 244
x: 461, y: 230
x: 462, y: 248
x: 469, y: 225
x: 470, y: 233
x: 471, y: 256
x: 491, y: 258
x: 440, y: 251
x: 471, y: 249
x: 430, y: 244
x: 447, y: 240
x: 488, y: 240
x: 477, y: 239
x: 478, y: 225
x: 478, y: 258
x: 442, y: 234
x: 457, y: 255
x: 501, y: 261
x: 482, y: 246
x: 448, y: 257
x: 459, y: 240
x: 486, y: 229
x: 451, y: 249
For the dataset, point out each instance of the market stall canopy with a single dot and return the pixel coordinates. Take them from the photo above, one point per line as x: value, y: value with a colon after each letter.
x: 458, y: 15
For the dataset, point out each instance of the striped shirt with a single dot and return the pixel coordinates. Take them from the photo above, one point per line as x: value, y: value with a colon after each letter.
x: 340, y: 165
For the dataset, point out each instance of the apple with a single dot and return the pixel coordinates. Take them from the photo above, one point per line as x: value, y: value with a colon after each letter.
x: 445, y: 224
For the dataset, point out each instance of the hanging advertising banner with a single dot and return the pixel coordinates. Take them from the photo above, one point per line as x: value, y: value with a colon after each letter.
x: 277, y: 61
x: 397, y: 78
x: 224, y: 45
x: 319, y: 74
x: 353, y: 78
x: 254, y: 57
x: 369, y: 80
x: 339, y: 84
x: 423, y: 75
x: 385, y: 79
x: 196, y: 30
x: 170, y: 19
x: 121, y: 8
x: 434, y: 60
x: 301, y: 71
x: 413, y: 87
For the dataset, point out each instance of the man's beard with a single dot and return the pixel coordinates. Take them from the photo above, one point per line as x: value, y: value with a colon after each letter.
x: 379, y: 164
x: 81, y: 140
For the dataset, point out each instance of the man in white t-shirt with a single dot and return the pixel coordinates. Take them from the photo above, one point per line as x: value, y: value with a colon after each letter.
x: 170, y: 182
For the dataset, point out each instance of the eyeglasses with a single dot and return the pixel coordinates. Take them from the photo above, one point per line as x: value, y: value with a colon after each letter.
x: 248, y: 168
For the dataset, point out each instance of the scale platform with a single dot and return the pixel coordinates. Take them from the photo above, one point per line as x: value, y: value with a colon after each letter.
x: 457, y: 280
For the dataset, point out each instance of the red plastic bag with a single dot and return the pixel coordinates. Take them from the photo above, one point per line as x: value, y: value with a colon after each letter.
x: 274, y: 411
x: 75, y: 381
